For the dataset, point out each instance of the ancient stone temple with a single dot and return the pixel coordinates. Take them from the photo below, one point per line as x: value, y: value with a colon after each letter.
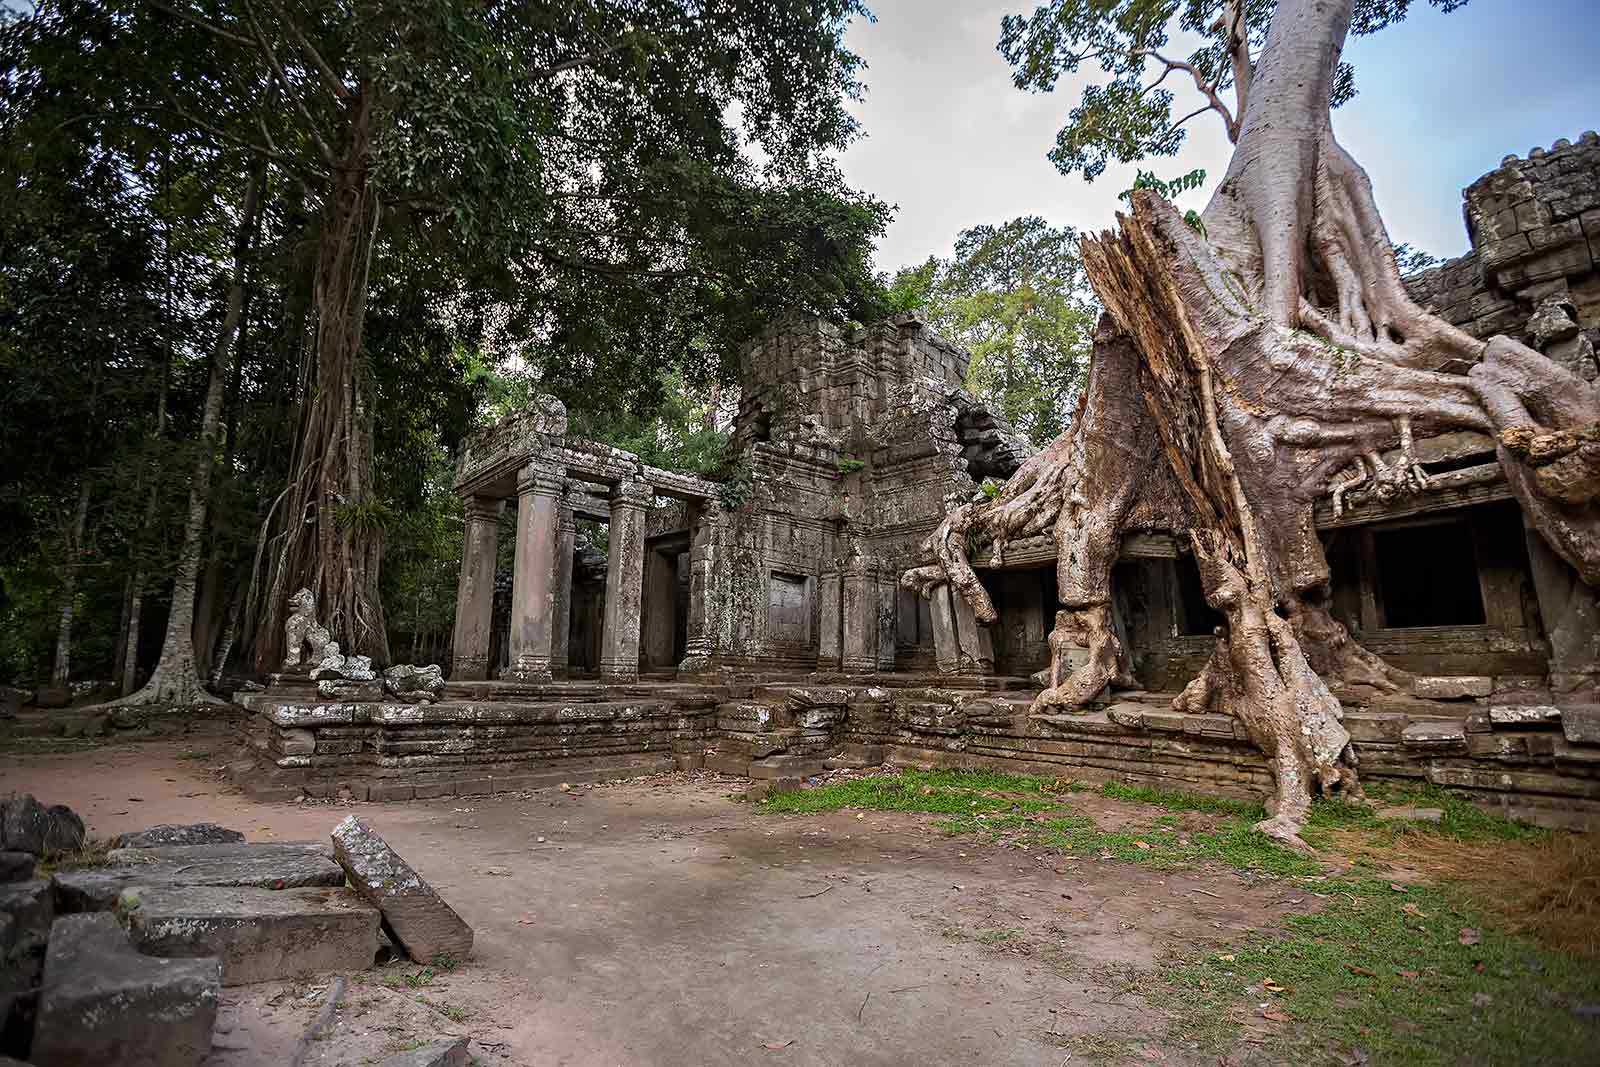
x: 757, y: 625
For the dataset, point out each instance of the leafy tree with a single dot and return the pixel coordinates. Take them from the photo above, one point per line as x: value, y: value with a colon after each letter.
x: 1130, y: 117
x: 1015, y: 296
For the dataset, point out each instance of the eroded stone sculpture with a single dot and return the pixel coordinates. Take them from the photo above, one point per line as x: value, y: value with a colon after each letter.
x: 301, y: 629
x: 410, y: 684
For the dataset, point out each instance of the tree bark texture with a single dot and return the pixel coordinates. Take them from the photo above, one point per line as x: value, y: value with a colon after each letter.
x: 1244, y: 370
x: 327, y: 535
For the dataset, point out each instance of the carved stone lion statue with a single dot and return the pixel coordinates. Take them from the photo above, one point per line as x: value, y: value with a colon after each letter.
x: 301, y: 628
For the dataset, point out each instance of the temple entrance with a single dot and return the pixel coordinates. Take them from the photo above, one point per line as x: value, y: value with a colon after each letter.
x: 663, y: 621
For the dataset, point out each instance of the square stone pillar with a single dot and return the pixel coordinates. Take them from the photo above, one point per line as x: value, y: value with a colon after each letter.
x: 946, y: 645
x: 707, y: 584
x: 475, y: 589
x: 830, y: 645
x: 977, y: 646
x: 858, y: 616
x: 566, y: 546
x: 619, y: 637
x: 533, y: 590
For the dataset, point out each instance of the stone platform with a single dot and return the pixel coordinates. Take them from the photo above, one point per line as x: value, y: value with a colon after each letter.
x: 1524, y: 755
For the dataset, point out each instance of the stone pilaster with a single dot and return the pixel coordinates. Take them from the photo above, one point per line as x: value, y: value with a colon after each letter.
x: 708, y: 543
x: 977, y: 646
x: 475, y: 589
x: 533, y: 590
x: 946, y: 645
x: 619, y: 638
x: 858, y: 615
x: 1570, y: 611
x: 566, y: 546
x: 830, y: 640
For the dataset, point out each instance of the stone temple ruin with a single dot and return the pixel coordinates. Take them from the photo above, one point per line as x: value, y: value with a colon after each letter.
x: 758, y: 626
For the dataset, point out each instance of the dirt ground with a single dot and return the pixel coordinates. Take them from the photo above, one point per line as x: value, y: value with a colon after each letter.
x: 660, y: 921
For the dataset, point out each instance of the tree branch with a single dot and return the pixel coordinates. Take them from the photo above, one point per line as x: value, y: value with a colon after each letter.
x: 283, y: 78
x: 1205, y: 89
x: 1236, y: 40
x: 335, y: 86
x: 577, y: 61
x: 195, y: 20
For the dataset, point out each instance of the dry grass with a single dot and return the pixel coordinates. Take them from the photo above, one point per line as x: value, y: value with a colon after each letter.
x: 1548, y: 889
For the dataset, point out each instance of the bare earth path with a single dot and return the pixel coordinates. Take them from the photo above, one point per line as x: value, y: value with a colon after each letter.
x: 659, y: 922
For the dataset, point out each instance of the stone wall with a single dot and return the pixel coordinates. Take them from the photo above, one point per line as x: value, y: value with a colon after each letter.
x: 1535, y: 230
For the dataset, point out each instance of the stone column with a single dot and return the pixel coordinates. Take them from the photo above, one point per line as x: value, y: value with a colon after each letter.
x: 619, y: 638
x: 708, y: 583
x: 858, y: 612
x: 946, y: 645
x: 1570, y: 611
x: 977, y: 646
x: 533, y: 579
x: 830, y: 638
x: 561, y: 601
x: 475, y: 589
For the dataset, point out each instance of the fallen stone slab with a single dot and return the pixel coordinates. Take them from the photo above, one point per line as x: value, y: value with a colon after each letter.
x: 451, y: 1052
x: 259, y: 934
x: 28, y: 826
x: 167, y: 834
x: 1452, y: 687
x: 1414, y: 814
x: 274, y: 865
x: 16, y: 866
x: 104, y: 1003
x: 424, y: 924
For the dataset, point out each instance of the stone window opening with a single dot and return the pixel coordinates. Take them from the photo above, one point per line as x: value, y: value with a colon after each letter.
x: 1427, y: 575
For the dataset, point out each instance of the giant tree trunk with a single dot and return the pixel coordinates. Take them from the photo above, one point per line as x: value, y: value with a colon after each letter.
x: 328, y: 534
x: 1253, y: 363
x: 176, y: 679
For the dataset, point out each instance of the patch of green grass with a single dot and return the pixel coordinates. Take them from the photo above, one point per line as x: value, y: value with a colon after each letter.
x: 1234, y: 842
x: 417, y: 979
x: 1183, y: 800
x: 945, y: 792
x: 1400, y: 985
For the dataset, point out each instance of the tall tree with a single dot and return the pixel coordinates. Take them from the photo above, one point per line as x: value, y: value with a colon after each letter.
x: 1016, y: 298
x: 560, y: 146
x: 1248, y: 364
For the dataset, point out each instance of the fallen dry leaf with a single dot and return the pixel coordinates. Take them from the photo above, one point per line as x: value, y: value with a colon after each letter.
x: 1468, y: 936
x: 1272, y: 987
x: 1397, y: 887
x: 1406, y: 974
x: 1276, y: 1014
x: 527, y: 920
x: 1412, y: 909
x: 777, y: 1045
x: 1141, y: 844
x: 1226, y: 957
x: 1360, y: 971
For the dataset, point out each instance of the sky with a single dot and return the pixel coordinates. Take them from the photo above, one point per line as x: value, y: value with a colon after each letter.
x: 1442, y: 98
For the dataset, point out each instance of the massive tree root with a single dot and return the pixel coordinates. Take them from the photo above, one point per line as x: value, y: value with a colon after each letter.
x: 1248, y: 368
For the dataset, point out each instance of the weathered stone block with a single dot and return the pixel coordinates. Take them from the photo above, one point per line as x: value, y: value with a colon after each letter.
x: 1524, y: 715
x: 259, y: 934
x: 26, y: 911
x: 1434, y: 733
x: 1580, y: 723
x: 28, y: 826
x: 1130, y: 715
x: 199, y: 833
x: 1456, y: 687
x: 1170, y: 721
x: 424, y: 924
x: 451, y: 1052
x: 294, y: 741
x: 275, y: 865
x: 103, y: 1003
x: 16, y: 866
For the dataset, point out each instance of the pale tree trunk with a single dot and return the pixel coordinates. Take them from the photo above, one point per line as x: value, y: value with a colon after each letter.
x: 328, y: 535
x: 1242, y: 373
x: 176, y: 680
x: 61, y: 670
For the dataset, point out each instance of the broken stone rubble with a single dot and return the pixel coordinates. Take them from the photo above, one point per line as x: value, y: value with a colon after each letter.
x: 451, y: 1052
x: 200, y: 833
